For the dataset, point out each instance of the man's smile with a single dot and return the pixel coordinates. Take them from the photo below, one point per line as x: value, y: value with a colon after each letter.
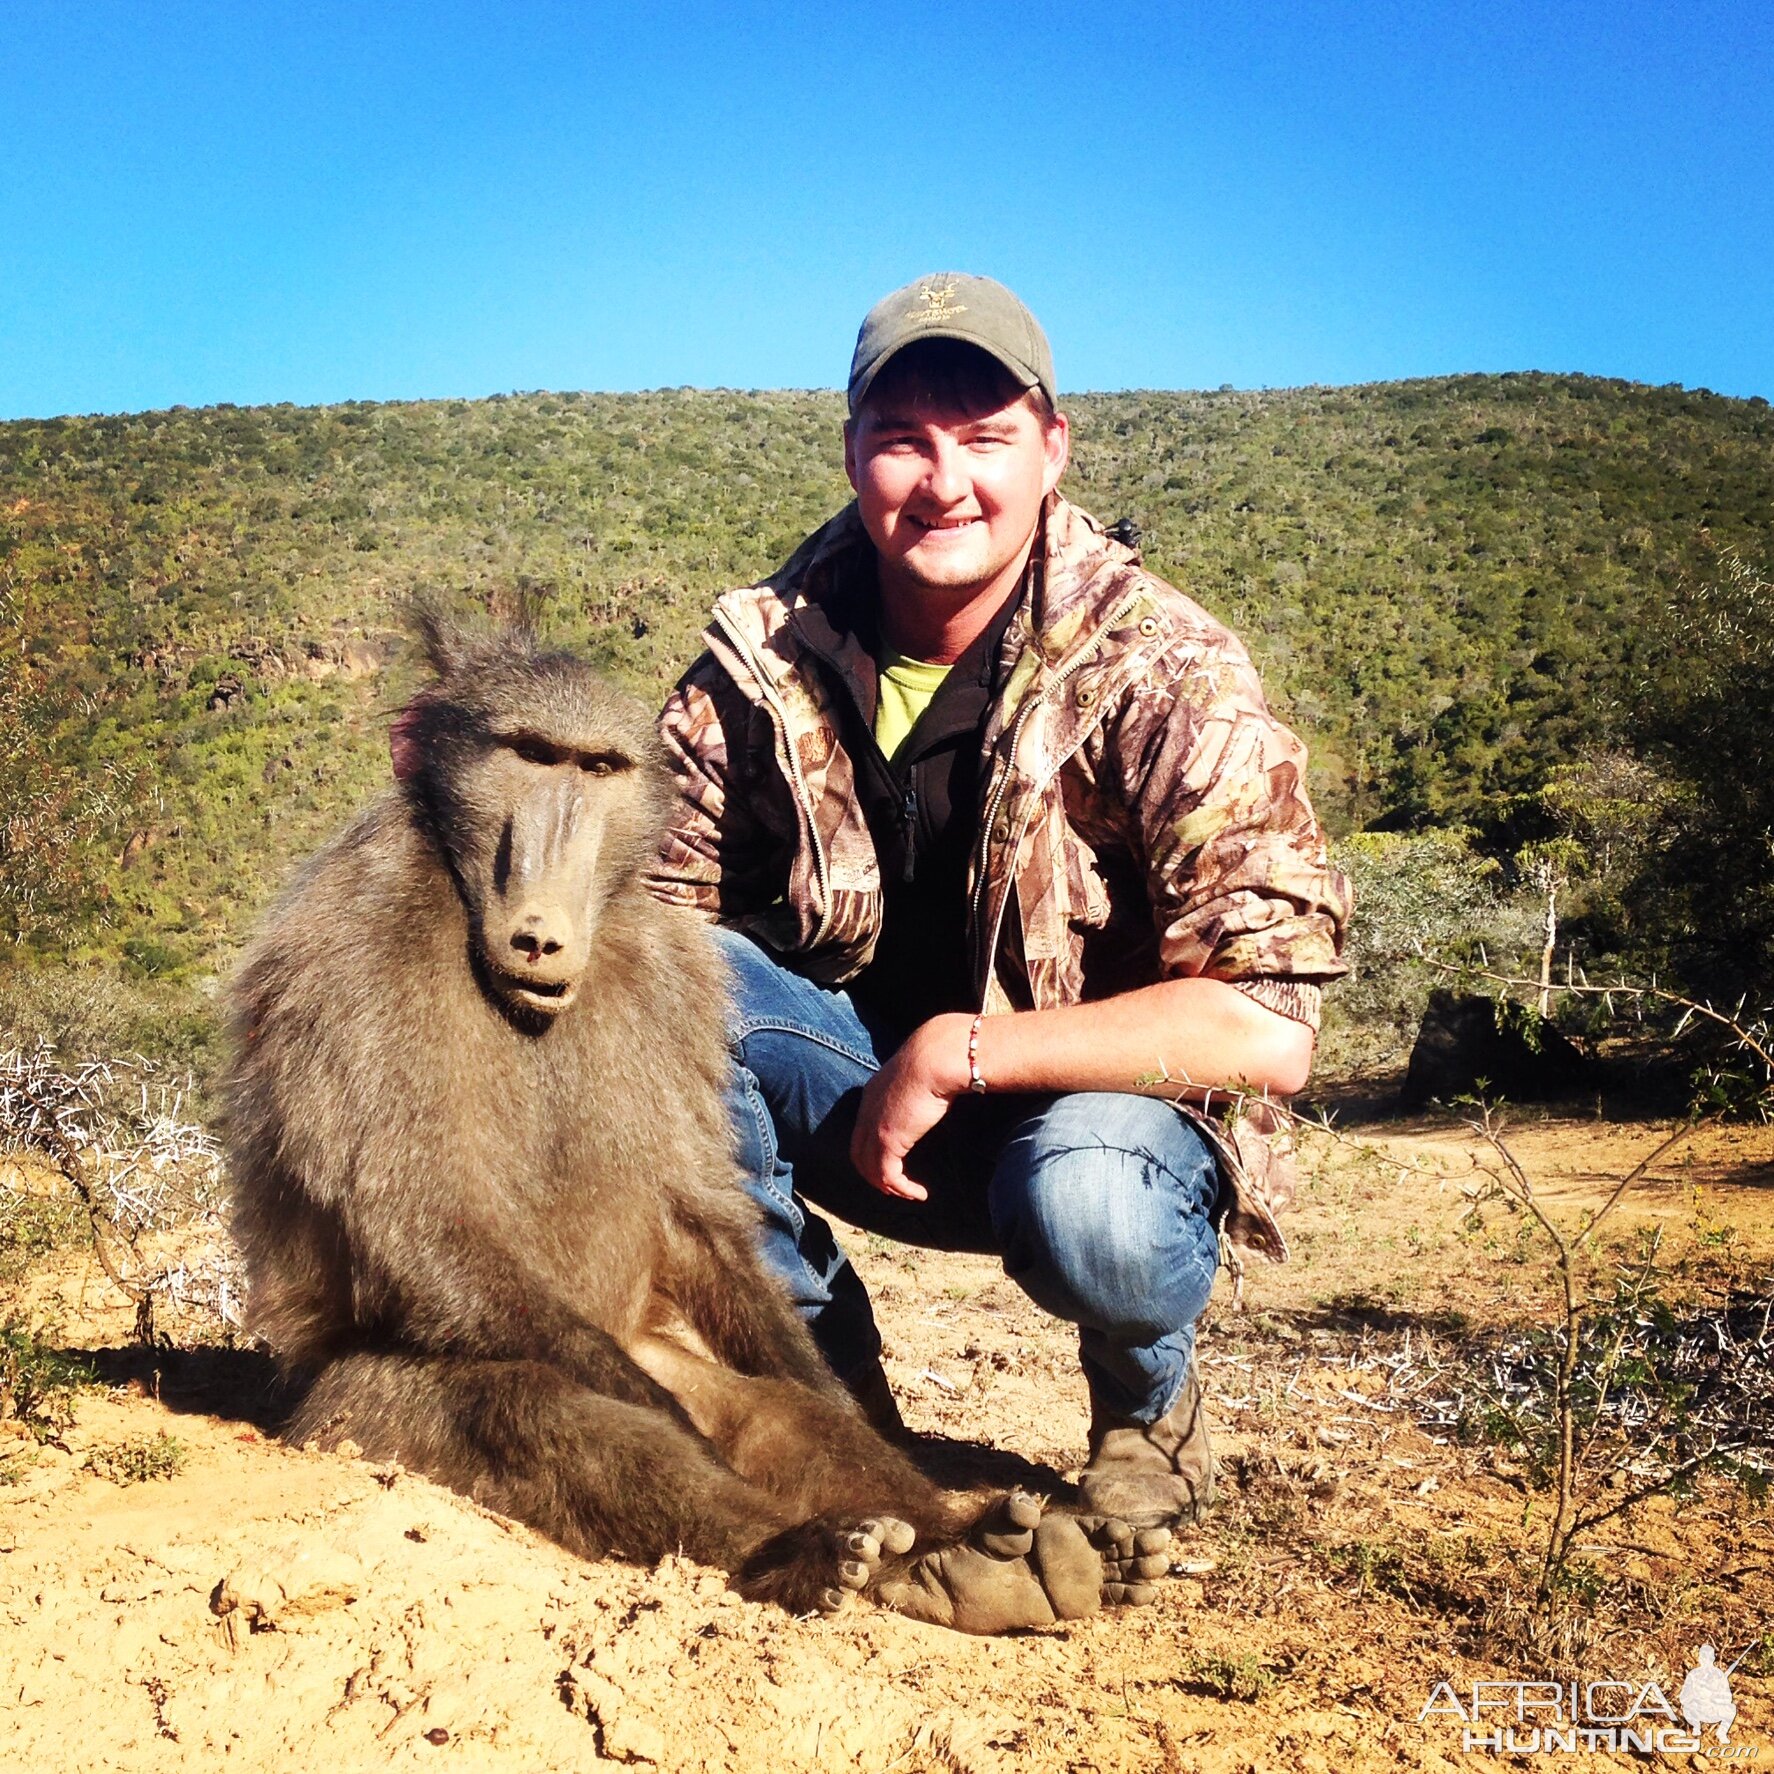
x: 950, y: 493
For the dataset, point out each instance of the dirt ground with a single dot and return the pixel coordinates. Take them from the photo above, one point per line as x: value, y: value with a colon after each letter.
x: 1361, y: 1554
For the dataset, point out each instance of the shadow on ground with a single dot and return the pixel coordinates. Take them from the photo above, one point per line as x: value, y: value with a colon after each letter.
x: 240, y: 1385
x: 1634, y: 1084
x: 960, y: 1465
x: 243, y: 1386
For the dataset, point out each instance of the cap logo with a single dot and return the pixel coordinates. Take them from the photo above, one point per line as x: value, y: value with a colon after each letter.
x: 939, y: 302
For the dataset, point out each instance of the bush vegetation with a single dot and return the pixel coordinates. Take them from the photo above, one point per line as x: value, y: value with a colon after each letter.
x: 1462, y: 590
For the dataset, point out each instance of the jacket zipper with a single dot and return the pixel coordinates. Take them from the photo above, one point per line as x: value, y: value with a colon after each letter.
x: 803, y: 794
x: 985, y: 848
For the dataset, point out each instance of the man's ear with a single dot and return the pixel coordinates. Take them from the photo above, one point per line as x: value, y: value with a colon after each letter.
x: 1056, y: 448
x: 850, y: 453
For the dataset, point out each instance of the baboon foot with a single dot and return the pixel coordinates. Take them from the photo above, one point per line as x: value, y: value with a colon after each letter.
x: 1018, y: 1566
x: 1133, y: 1558
x: 811, y: 1568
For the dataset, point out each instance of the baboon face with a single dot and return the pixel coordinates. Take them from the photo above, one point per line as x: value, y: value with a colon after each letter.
x: 542, y: 786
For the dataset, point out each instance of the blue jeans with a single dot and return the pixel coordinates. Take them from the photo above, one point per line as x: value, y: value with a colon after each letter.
x: 1100, y: 1204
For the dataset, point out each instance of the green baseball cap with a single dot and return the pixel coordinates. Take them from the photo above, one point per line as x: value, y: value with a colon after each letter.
x: 953, y: 305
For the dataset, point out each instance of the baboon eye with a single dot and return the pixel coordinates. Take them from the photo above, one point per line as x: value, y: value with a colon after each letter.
x: 534, y: 750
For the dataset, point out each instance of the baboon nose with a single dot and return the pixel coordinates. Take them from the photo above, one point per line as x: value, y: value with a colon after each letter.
x: 533, y: 945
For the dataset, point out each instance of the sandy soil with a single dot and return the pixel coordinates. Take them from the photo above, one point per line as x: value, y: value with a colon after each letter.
x: 269, y: 1607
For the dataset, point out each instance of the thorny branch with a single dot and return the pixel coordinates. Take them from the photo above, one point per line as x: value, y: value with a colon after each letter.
x: 1575, y: 1422
x: 149, y: 1180
x: 1629, y: 1384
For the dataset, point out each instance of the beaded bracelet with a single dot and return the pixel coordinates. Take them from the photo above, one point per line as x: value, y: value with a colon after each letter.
x: 975, y: 1082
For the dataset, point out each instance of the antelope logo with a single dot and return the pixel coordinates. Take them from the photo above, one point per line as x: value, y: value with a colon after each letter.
x: 939, y: 302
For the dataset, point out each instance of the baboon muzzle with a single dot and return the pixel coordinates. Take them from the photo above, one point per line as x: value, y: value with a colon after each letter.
x: 538, y: 918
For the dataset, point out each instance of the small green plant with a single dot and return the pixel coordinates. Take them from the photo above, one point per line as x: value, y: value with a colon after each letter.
x: 38, y: 1388
x: 1376, y: 1567
x: 137, y: 1458
x: 1230, y: 1678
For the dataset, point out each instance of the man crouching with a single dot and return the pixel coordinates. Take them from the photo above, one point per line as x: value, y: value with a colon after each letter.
x: 1019, y: 887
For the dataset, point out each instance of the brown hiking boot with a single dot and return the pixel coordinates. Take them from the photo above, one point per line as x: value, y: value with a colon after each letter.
x: 868, y: 1386
x: 1150, y: 1474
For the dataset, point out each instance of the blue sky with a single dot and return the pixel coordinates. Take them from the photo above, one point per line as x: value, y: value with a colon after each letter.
x: 260, y: 201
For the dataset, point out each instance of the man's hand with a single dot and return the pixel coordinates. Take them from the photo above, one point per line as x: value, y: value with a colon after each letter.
x: 905, y: 1099
x: 1182, y: 1038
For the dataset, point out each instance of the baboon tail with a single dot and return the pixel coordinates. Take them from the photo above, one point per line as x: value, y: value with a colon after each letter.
x: 593, y: 1473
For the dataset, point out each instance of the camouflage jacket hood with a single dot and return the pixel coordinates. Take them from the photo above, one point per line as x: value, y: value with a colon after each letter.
x: 1144, y: 815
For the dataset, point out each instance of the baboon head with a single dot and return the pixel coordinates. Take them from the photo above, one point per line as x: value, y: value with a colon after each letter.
x: 543, y: 788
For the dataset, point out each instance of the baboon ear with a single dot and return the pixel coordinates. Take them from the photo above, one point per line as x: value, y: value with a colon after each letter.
x: 440, y: 634
x: 405, y: 750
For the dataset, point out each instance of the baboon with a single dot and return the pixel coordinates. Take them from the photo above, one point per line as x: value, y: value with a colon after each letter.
x: 483, y: 1186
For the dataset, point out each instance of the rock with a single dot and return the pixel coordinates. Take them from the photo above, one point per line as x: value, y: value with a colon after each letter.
x: 228, y: 690
x: 165, y: 663
x: 1521, y: 1058
x: 358, y: 659
x: 287, y: 1585
x: 137, y: 843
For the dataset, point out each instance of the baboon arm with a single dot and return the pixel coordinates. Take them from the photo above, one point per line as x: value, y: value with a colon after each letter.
x: 456, y: 1290
x: 744, y: 1317
x: 541, y: 1331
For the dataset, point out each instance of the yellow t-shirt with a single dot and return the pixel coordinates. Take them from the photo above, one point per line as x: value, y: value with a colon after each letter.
x: 907, y: 685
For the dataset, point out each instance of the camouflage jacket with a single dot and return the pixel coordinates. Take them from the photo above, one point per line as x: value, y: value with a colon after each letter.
x: 1144, y: 815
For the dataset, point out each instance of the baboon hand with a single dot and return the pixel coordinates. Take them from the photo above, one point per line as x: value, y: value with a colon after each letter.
x: 810, y: 1569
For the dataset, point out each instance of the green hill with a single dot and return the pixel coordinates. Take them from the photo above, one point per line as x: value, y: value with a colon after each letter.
x: 1452, y: 587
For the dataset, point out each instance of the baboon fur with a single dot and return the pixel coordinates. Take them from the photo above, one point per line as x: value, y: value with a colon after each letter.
x: 489, y: 1211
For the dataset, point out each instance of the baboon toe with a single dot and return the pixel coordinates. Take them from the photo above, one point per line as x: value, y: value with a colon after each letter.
x: 1131, y: 1557
x: 1072, y: 1569
x: 810, y: 1569
x: 890, y: 1533
x: 1128, y: 1595
x: 1007, y: 1529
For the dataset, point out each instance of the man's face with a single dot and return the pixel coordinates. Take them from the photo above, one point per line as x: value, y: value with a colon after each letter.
x: 950, y: 498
